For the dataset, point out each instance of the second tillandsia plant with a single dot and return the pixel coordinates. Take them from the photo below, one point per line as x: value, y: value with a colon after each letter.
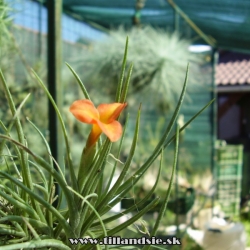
x: 28, y: 217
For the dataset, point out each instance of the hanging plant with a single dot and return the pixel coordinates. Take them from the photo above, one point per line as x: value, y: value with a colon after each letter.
x: 159, y: 58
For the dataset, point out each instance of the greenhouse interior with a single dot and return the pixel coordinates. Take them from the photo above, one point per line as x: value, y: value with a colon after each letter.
x: 125, y: 124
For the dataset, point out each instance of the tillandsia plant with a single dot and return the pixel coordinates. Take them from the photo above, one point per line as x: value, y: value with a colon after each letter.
x: 29, y: 216
x: 157, y: 64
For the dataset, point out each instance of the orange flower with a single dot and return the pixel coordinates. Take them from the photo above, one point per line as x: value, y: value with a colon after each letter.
x: 103, y: 119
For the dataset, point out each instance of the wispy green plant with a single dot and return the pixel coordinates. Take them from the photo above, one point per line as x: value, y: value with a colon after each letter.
x: 4, y: 23
x: 6, y: 44
x: 29, y: 217
x: 10, y: 54
x: 158, y: 58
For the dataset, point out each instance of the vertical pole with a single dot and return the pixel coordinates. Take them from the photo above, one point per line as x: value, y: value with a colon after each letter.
x: 215, y: 57
x: 40, y: 30
x: 54, y: 78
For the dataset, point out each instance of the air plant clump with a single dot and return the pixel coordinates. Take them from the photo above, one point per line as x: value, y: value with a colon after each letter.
x: 158, y: 59
x: 31, y: 215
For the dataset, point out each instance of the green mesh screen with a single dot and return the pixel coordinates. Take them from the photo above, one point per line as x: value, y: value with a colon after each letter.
x: 227, y: 21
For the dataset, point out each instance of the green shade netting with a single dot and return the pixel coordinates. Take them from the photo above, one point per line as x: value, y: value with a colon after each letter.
x: 227, y: 21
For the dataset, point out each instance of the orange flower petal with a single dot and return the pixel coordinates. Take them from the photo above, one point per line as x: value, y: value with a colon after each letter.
x: 84, y: 111
x: 110, y: 112
x: 112, y: 130
x: 94, y: 135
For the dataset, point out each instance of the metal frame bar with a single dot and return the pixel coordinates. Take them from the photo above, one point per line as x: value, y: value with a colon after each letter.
x: 54, y: 78
x: 233, y: 88
x: 210, y: 40
x: 214, y: 61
